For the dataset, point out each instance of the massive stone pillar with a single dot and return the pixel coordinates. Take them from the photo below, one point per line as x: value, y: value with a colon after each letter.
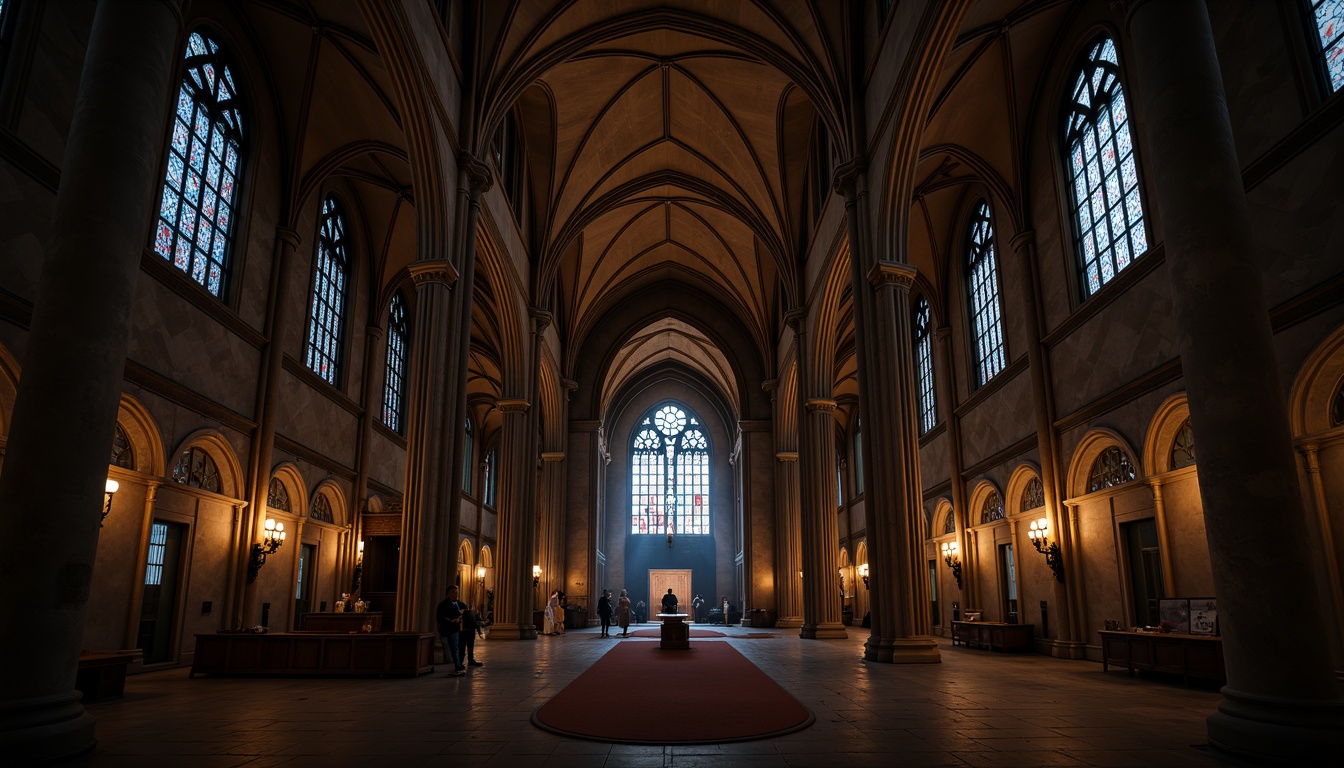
x: 513, y: 594
x: 898, y: 579
x: 55, y: 467
x: 788, y: 553
x: 1281, y: 701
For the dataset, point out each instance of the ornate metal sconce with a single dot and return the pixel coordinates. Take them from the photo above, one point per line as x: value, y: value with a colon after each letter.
x: 275, y: 536
x: 952, y: 556
x: 109, y: 491
x: 536, y: 576
x: 1040, y: 539
x: 480, y: 575
x: 863, y: 574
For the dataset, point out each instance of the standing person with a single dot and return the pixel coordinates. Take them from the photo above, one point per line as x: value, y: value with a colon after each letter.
x: 604, y: 612
x: 471, y: 629
x: 623, y: 614
x: 449, y: 617
x: 698, y: 608
x: 561, y: 608
x: 725, y: 611
x: 669, y: 602
x: 553, y: 607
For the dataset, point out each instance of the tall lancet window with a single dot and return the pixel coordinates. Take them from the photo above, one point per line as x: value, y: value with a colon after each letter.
x: 1328, y: 19
x: 200, y: 189
x: 1104, y: 176
x: 923, y: 332
x: 982, y: 287
x: 394, y: 387
x: 669, y: 474
x: 326, y: 314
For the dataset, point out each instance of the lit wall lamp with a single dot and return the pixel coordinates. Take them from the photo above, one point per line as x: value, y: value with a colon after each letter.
x: 480, y: 575
x: 863, y: 574
x: 952, y: 556
x: 536, y: 576
x: 109, y: 491
x: 275, y: 536
x: 1040, y: 539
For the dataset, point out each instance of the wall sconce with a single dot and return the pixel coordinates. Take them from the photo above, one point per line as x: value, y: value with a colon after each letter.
x: 841, y: 571
x: 952, y: 556
x: 109, y: 491
x: 275, y: 536
x: 480, y: 575
x: 863, y: 574
x: 536, y: 576
x: 1040, y: 539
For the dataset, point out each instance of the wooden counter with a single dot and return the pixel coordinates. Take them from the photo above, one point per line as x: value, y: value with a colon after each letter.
x: 994, y: 635
x: 1190, y: 656
x: 314, y: 653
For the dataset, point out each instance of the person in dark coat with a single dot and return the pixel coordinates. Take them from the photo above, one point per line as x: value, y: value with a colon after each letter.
x: 604, y: 612
x: 449, y: 618
x: 623, y: 614
x: 471, y: 629
x: 669, y: 602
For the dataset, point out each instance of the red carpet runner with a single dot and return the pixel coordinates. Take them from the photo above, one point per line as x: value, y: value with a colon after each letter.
x: 639, y: 694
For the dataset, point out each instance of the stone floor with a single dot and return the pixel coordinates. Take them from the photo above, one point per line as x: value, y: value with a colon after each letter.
x: 976, y: 708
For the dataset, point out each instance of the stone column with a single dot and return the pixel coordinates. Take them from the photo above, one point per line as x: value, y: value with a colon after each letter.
x: 960, y: 504
x: 1163, y: 539
x: 820, y: 528
x: 375, y: 359
x: 428, y: 466
x: 65, y: 411
x: 516, y: 537
x: 788, y: 540
x: 1068, y: 644
x: 1281, y: 701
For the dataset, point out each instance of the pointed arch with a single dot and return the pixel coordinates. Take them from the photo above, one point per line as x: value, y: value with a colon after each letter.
x: 214, y: 445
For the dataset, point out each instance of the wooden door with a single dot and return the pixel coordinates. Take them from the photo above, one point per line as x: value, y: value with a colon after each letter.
x: 678, y: 579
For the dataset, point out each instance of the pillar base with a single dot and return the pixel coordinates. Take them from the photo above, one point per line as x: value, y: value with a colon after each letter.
x: 921, y: 649
x: 830, y: 630
x: 1273, y: 729
x: 788, y: 622
x: 45, y: 729
x: 512, y: 632
x: 1066, y: 649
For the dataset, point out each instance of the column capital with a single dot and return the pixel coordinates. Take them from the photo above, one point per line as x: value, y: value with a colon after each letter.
x: 288, y: 237
x: 770, y: 385
x: 512, y: 405
x: 436, y: 271
x: 888, y: 273
x: 373, y: 331
x: 848, y: 175
x: 786, y: 456
x: 478, y: 179
x: 1022, y: 240
x: 570, y: 386
x: 541, y: 317
x: 822, y: 404
x: 553, y: 456
x: 796, y: 319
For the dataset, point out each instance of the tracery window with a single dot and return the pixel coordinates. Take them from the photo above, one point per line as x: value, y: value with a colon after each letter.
x: 1183, y: 447
x: 982, y: 287
x: 394, y: 387
x: 277, y: 495
x: 1111, y: 468
x: 669, y: 478
x: 123, y: 454
x: 1033, y: 496
x: 923, y: 322
x: 1107, y: 204
x: 950, y: 523
x: 200, y: 189
x: 326, y: 315
x: 993, y: 508
x: 1328, y: 16
x: 468, y: 448
x: 321, y: 509
x: 195, y: 468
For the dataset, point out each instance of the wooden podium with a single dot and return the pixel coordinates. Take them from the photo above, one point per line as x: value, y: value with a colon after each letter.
x: 676, y: 633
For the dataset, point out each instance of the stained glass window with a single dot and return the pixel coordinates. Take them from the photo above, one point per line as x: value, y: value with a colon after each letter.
x: 1329, y: 21
x: 669, y: 477
x: 200, y: 188
x: 982, y: 285
x: 277, y: 496
x: 468, y: 448
x: 123, y: 455
x: 195, y: 468
x: 993, y: 508
x: 321, y: 509
x: 326, y: 316
x: 1033, y: 496
x: 923, y: 329
x: 949, y: 523
x: 394, y: 388
x: 491, y: 479
x: 1111, y: 468
x: 1183, y: 447
x: 1104, y: 178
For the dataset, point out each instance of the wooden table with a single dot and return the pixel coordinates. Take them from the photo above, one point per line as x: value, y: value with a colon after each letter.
x: 676, y: 633
x: 1190, y: 656
x: 314, y: 653
x: 994, y: 635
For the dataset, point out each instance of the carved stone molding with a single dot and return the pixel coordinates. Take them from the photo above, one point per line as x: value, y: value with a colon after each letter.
x: 553, y: 456
x: 479, y: 177
x: 512, y: 405
x: 543, y: 318
x: 438, y: 271
x: 822, y: 404
x: 886, y: 273
x: 796, y: 319
x: 847, y: 175
x: 786, y: 456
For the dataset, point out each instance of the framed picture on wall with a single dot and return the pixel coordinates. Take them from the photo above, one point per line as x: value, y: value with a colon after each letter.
x: 1203, y: 616
x: 1174, y: 615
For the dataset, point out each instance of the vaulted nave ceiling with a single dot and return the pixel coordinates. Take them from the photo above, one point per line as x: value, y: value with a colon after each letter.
x: 675, y: 138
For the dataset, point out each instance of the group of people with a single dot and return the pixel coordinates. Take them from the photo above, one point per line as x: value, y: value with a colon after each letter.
x: 459, y: 626
x: 553, y: 622
x: 621, y: 612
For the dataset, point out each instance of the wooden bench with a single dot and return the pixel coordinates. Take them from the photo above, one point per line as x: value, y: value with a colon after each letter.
x: 102, y: 674
x: 994, y: 635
